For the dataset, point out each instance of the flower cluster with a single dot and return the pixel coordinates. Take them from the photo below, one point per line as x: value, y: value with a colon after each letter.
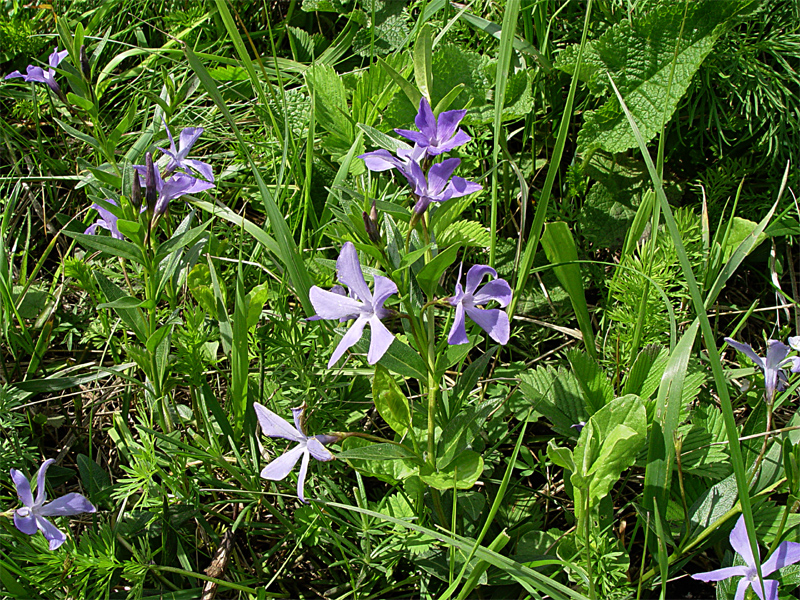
x: 34, y: 73
x: 32, y: 515
x: 179, y: 178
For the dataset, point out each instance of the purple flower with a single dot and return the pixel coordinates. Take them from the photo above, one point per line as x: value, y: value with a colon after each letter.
x: 493, y: 321
x: 788, y: 553
x: 107, y: 220
x: 438, y: 187
x: 383, y: 160
x: 174, y: 187
x: 32, y: 515
x: 772, y: 367
x: 364, y: 307
x: 579, y: 426
x: 436, y: 136
x: 274, y: 426
x: 35, y: 73
x: 188, y: 137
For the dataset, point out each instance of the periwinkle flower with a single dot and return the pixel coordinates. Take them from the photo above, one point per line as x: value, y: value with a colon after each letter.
x: 578, y: 426
x: 107, y: 220
x: 788, y: 553
x: 437, y: 186
x: 275, y: 427
x: 436, y: 136
x: 178, y: 156
x: 34, y: 73
x: 772, y: 366
x: 176, y: 186
x: 31, y: 516
x: 383, y: 160
x: 466, y: 301
x: 364, y: 307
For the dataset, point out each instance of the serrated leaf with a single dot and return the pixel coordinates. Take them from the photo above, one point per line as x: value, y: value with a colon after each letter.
x: 466, y: 233
x: 596, y: 386
x: 556, y: 394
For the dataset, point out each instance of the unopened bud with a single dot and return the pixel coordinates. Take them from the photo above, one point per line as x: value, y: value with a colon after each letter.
x: 85, y: 68
x: 150, y: 190
x: 371, y: 224
x: 136, y: 191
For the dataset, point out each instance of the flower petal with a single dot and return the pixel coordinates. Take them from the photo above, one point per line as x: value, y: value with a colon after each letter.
x: 56, y: 57
x: 493, y: 321
x: 380, y: 160
x: 189, y: 135
x: 476, y: 274
x: 497, y: 290
x: 447, y: 124
x: 35, y: 73
x: 741, y: 543
x: 53, y: 534
x: 770, y: 589
x: 721, y: 574
x: 23, y: 488
x: 458, y: 332
x: 280, y: 467
x: 348, y: 339
x: 70, y: 504
x: 348, y: 270
x: 26, y: 525
x: 330, y: 305
x: 414, y: 136
x: 204, y: 169
x: 439, y: 174
x: 741, y: 589
x: 274, y: 426
x: 748, y: 351
x: 14, y: 74
x: 384, y: 287
x: 788, y: 553
x: 461, y: 187
x: 301, y: 478
x: 318, y: 451
x: 380, y: 341
x: 41, y: 493
x: 459, y: 139
x: 425, y: 120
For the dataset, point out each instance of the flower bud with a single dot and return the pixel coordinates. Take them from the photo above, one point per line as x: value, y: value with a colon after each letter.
x: 371, y: 224
x: 151, y: 192
x: 136, y: 191
x: 85, y: 68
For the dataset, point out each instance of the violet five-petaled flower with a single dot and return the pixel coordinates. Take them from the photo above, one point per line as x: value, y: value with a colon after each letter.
x: 437, y: 186
x: 34, y: 73
x: 436, y: 136
x: 274, y: 426
x: 176, y: 186
x: 466, y: 301
x: 772, y: 365
x: 364, y: 307
x: 107, y: 220
x: 788, y: 553
x: 178, y: 156
x: 31, y: 516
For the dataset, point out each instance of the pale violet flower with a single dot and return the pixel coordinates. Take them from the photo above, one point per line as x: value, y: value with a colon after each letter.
x: 275, y: 427
x: 364, y: 307
x: 788, y: 553
x: 438, y: 186
x: 34, y: 73
x: 436, y: 136
x: 466, y: 301
x: 32, y: 515
x: 772, y: 365
x: 107, y: 220
x: 178, y: 156
x: 179, y: 184
x: 578, y: 426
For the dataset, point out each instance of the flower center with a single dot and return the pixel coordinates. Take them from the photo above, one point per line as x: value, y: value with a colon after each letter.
x: 24, y: 512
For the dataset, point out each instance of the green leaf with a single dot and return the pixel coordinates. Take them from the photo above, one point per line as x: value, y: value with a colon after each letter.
x: 109, y: 245
x: 256, y: 298
x: 414, y: 256
x: 460, y: 431
x: 462, y: 473
x: 382, y: 140
x: 412, y: 93
x: 383, y: 451
x: 390, y: 401
x: 653, y: 59
x: 132, y: 317
x: 561, y: 456
x: 428, y: 277
x: 557, y: 395
x: 465, y: 233
x: 127, y: 302
x: 399, y: 358
x: 331, y: 110
x: 606, y: 447
x: 95, y: 479
x: 423, y: 74
x: 597, y: 388
x: 83, y: 103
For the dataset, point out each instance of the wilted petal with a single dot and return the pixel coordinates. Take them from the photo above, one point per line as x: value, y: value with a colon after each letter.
x: 330, y: 305
x: 274, y: 426
x: 23, y: 488
x: 301, y: 478
x: 475, y: 275
x: 741, y: 543
x: 439, y: 174
x: 26, y: 524
x: 280, y: 467
x: 70, y: 504
x: 493, y: 321
x: 747, y: 351
x: 41, y: 493
x: 721, y: 574
x: 317, y: 450
x: 297, y: 417
x: 351, y: 337
x: 788, y: 553
x: 497, y: 290
x: 348, y: 270
x: 458, y: 332
x: 53, y: 534
x: 380, y: 341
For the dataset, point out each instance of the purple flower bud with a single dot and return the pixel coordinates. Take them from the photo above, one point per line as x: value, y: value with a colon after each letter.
x: 136, y: 191
x: 85, y: 68
x: 371, y: 224
x: 150, y: 187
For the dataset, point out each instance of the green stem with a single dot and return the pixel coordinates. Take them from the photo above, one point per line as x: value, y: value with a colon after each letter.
x: 587, y: 531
